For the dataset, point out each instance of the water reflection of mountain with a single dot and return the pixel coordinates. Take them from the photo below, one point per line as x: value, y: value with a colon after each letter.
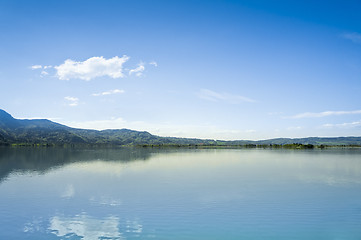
x: 43, y: 159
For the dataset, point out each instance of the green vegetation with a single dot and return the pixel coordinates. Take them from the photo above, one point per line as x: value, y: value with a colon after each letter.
x: 45, y: 133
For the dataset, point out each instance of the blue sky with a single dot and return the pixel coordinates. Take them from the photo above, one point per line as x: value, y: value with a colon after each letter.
x: 205, y: 69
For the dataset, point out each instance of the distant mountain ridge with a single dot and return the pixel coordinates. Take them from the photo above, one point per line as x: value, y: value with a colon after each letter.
x: 46, y: 132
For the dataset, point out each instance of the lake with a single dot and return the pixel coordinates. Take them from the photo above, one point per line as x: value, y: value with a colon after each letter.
x: 136, y: 193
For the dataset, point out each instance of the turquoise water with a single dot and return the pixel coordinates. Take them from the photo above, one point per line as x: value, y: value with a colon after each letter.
x: 180, y: 194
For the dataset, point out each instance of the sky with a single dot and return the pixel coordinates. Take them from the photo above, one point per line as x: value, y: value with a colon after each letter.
x: 206, y: 69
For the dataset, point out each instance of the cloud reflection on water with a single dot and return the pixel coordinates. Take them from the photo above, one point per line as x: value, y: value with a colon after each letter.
x: 86, y: 227
x: 105, y: 200
x: 68, y: 192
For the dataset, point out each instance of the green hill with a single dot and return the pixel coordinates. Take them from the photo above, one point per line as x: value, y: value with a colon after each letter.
x: 45, y: 132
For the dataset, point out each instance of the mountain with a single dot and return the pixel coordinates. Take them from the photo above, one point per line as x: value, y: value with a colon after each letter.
x: 34, y: 131
x: 43, y: 131
x: 46, y: 132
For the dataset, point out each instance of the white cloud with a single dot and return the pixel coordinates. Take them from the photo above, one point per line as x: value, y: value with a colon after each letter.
x: 294, y: 128
x: 250, y: 131
x: 72, y: 101
x: 343, y: 125
x: 114, y: 91
x: 91, y: 68
x: 138, y: 71
x: 40, y: 67
x: 154, y: 63
x: 275, y: 113
x: 324, y: 114
x: 354, y: 37
x: 210, y: 95
x: 36, y: 67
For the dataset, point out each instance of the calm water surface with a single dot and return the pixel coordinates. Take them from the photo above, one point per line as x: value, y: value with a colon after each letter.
x: 180, y: 194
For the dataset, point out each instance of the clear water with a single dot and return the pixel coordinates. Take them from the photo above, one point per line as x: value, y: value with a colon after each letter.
x: 180, y: 194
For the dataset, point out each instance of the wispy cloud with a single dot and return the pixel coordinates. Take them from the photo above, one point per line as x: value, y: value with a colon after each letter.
x: 250, y: 131
x: 44, y: 73
x: 72, y: 101
x: 343, y: 125
x: 274, y: 113
x: 36, y: 67
x: 293, y: 128
x: 324, y: 114
x: 137, y: 71
x: 354, y: 37
x: 110, y: 92
x: 91, y: 68
x: 154, y: 63
x: 213, y: 96
x: 43, y: 69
